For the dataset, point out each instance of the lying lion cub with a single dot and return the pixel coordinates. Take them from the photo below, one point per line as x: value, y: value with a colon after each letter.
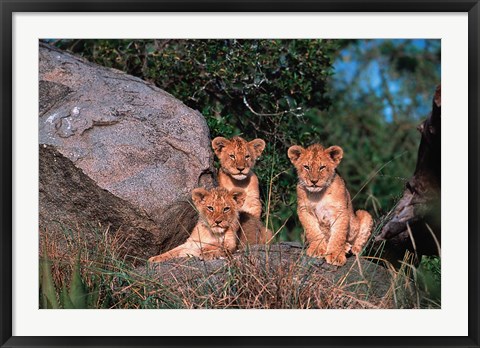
x: 237, y: 158
x: 324, y: 206
x: 215, y: 234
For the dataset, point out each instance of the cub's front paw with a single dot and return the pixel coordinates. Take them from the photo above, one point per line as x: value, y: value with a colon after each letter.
x: 336, y: 259
x: 357, y: 249
x: 316, y: 250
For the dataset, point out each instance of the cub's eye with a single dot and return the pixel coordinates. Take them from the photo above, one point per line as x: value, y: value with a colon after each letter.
x: 323, y: 167
x: 210, y: 208
x: 232, y: 156
x: 306, y: 167
x: 247, y: 156
x: 226, y: 209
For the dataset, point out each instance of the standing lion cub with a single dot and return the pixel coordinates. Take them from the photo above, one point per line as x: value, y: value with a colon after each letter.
x: 324, y: 206
x: 237, y: 158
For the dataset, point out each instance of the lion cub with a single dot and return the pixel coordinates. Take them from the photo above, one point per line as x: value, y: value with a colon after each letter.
x: 324, y: 206
x: 215, y: 234
x: 237, y: 158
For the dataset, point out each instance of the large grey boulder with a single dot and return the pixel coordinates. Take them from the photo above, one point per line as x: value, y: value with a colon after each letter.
x: 74, y: 211
x: 133, y: 139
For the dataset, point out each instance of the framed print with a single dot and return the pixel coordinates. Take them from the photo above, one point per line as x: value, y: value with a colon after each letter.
x: 254, y: 174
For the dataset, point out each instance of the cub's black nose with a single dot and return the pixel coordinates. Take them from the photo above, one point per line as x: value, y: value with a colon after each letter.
x: 240, y: 168
x: 314, y: 181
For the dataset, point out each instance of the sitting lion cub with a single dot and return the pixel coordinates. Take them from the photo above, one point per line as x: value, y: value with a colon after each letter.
x: 237, y: 157
x: 324, y: 206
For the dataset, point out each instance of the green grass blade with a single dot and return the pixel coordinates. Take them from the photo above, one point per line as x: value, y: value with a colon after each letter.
x: 77, y: 294
x: 65, y: 299
x: 48, y: 291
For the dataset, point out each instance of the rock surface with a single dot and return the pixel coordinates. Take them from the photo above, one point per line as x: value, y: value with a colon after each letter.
x: 278, y: 276
x: 73, y: 208
x: 133, y: 139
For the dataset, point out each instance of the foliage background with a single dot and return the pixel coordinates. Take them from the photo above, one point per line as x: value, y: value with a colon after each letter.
x: 367, y: 96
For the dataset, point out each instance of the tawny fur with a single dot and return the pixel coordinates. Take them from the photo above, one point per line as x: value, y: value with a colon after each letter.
x: 324, y: 206
x: 252, y: 231
x: 218, y: 230
x: 237, y: 158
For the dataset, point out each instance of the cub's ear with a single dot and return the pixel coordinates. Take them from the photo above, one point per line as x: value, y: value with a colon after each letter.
x: 238, y: 196
x: 219, y: 143
x: 257, y: 145
x: 294, y: 152
x: 198, y: 195
x: 335, y: 153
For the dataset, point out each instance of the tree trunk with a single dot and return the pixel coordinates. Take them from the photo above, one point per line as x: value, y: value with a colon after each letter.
x: 415, y: 222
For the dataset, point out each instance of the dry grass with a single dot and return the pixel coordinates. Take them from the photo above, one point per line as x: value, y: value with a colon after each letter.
x: 279, y: 276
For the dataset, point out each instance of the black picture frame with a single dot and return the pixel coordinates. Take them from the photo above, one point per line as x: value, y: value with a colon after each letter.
x: 8, y: 7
